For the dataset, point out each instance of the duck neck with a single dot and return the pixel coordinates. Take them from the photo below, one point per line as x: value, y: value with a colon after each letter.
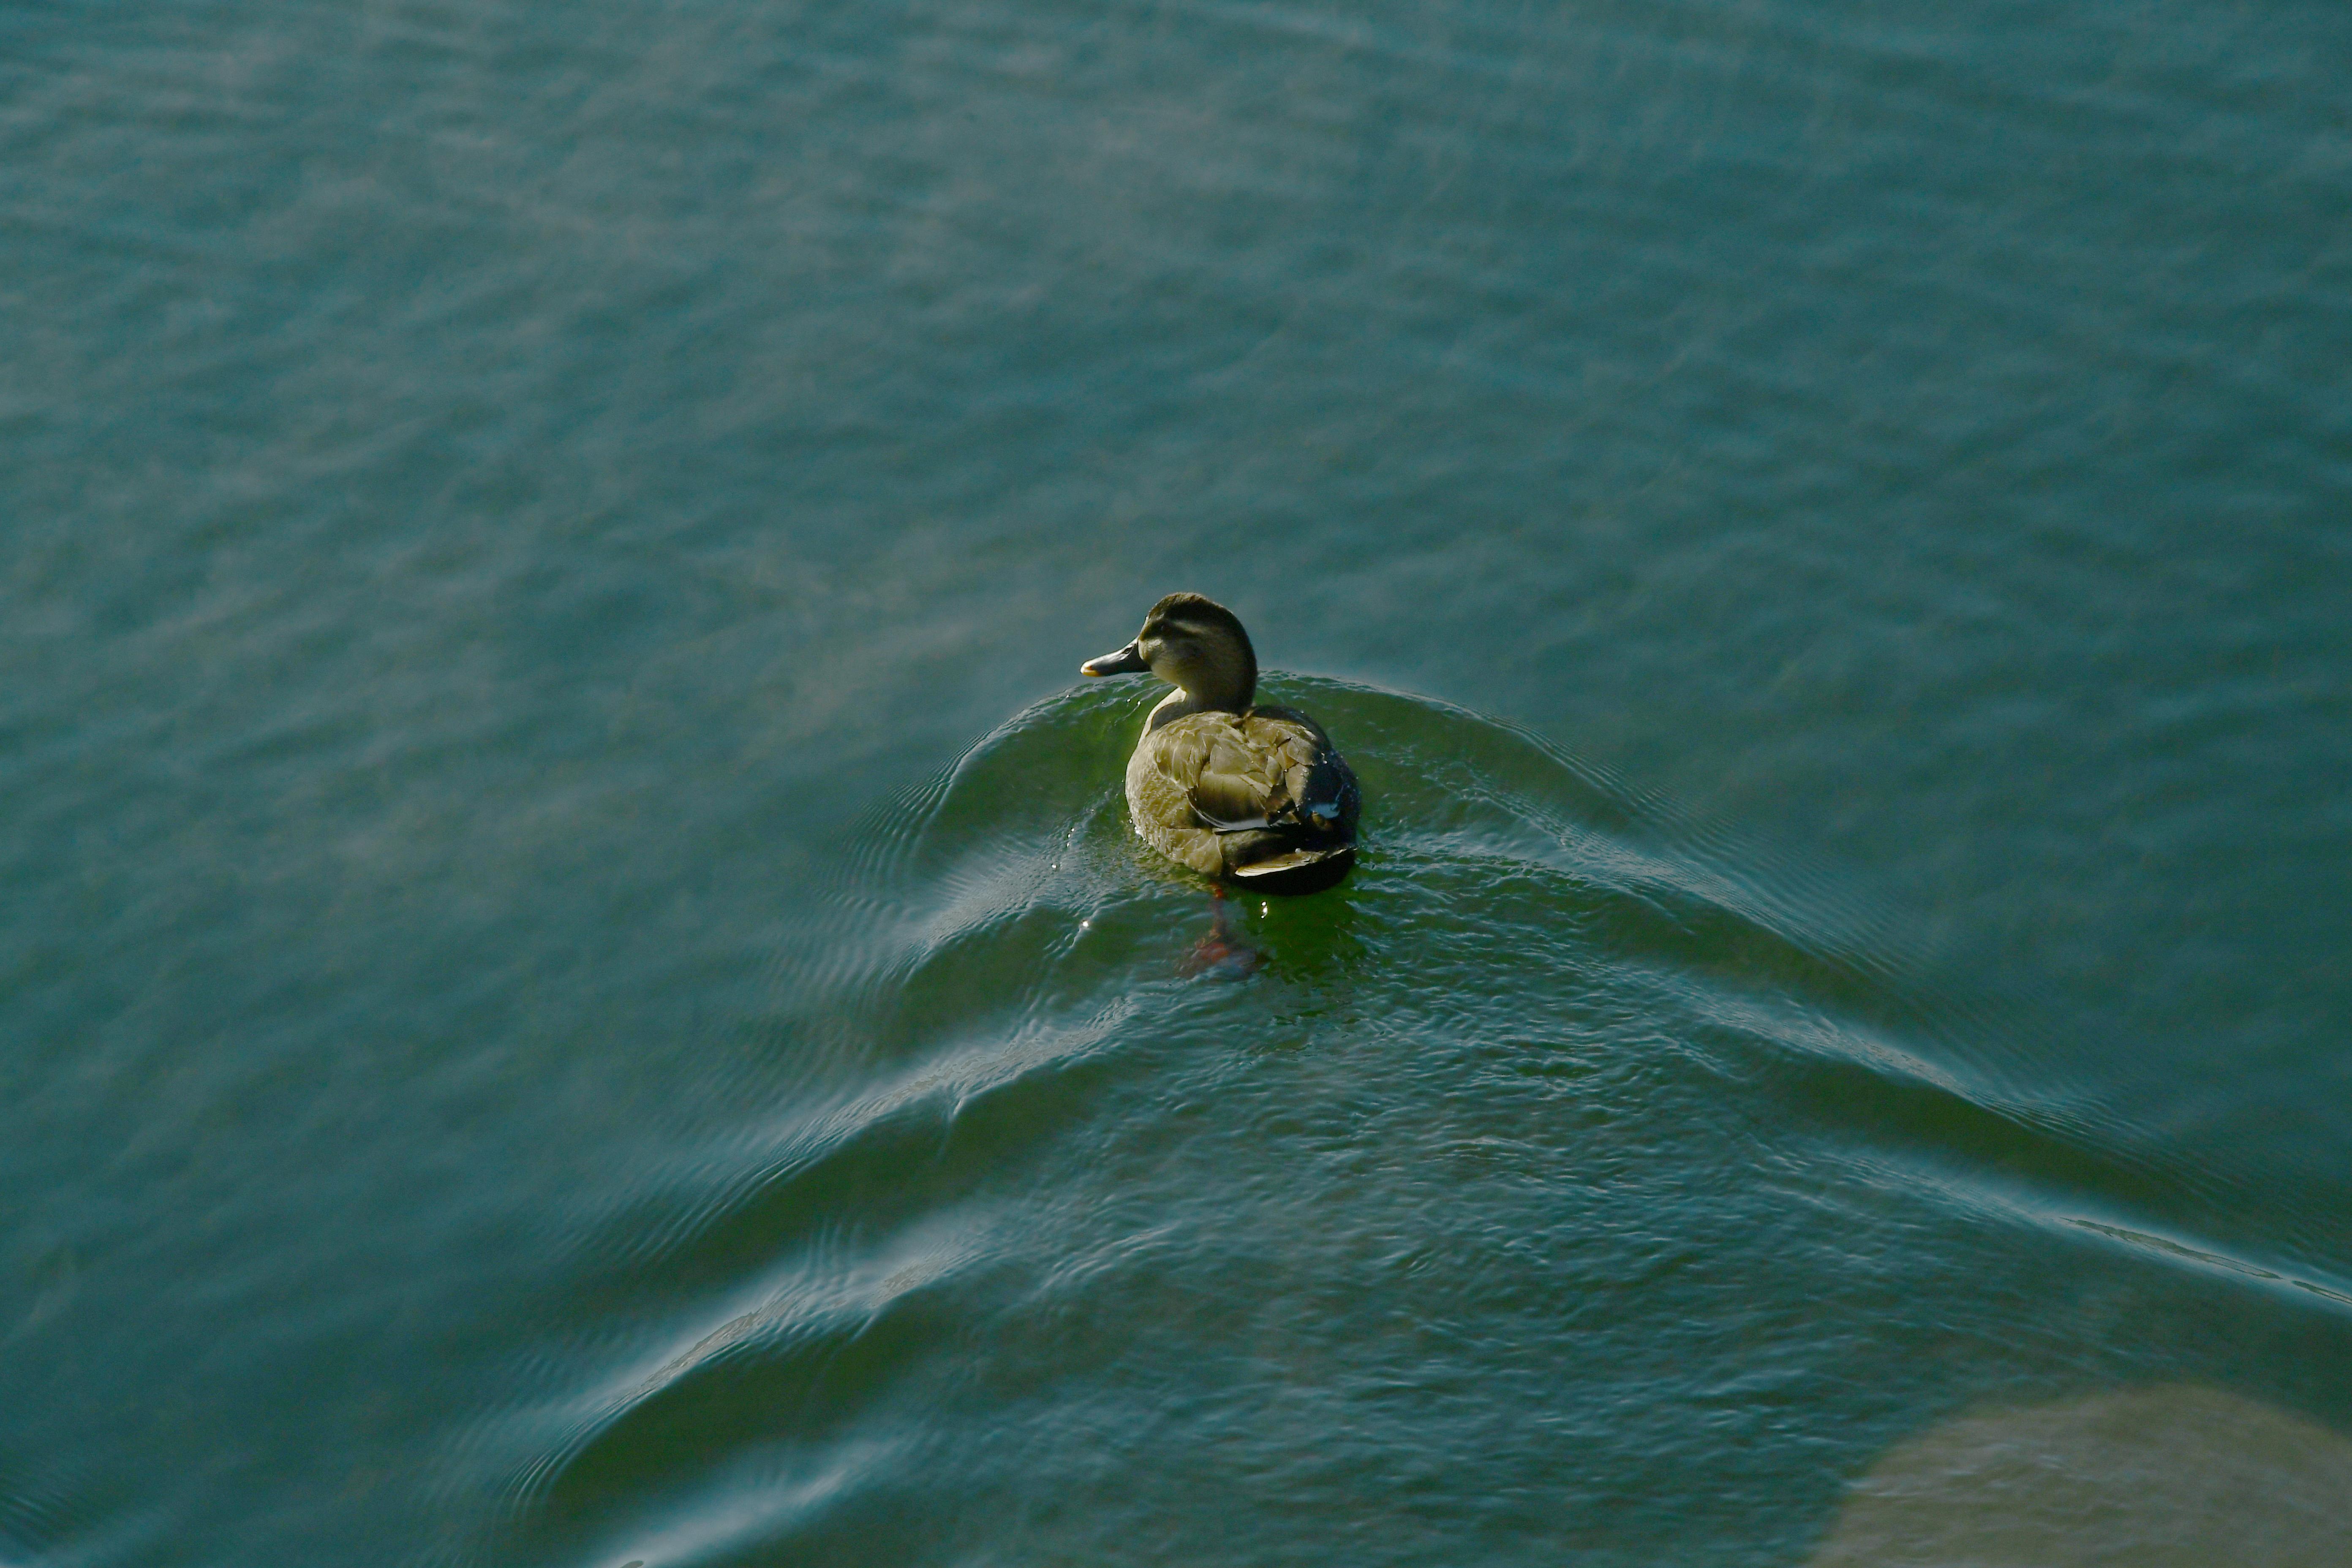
x: 1226, y: 683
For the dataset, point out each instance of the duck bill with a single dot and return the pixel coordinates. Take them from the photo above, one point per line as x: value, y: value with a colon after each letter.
x: 1126, y: 661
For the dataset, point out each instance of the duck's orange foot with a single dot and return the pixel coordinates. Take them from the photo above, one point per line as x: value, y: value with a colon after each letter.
x: 1222, y: 955
x: 1219, y: 960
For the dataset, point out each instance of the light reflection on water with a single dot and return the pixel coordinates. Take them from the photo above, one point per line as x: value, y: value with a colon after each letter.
x: 2169, y: 1475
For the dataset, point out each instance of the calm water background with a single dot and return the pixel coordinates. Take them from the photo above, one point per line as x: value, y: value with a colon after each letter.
x: 576, y: 988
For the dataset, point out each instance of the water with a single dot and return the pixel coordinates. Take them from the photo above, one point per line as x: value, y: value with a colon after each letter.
x: 576, y: 988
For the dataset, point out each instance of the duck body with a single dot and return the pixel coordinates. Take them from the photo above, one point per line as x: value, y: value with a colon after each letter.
x: 1257, y: 796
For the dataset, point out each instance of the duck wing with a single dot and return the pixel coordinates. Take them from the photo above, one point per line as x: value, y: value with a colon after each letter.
x: 1187, y: 765
x: 1229, y: 802
x: 1314, y: 790
x: 1242, y: 795
x: 1231, y: 777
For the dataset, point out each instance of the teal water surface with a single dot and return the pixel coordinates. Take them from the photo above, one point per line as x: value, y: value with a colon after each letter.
x: 575, y: 987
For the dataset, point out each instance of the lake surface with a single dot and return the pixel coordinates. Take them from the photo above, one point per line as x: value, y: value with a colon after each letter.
x: 576, y: 988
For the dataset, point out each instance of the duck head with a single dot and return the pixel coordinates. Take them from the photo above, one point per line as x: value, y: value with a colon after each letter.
x: 1194, y: 643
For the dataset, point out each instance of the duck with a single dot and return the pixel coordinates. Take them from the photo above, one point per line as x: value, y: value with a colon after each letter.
x: 1255, y: 796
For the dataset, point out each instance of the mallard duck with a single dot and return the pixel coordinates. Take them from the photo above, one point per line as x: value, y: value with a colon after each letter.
x: 1255, y: 795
